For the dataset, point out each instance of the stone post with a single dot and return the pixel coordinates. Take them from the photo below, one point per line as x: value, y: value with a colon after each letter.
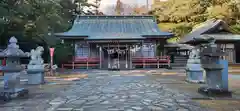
x: 194, y: 70
x: 36, y: 67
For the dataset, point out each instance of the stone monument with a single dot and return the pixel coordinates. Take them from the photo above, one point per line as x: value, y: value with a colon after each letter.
x: 35, y: 68
x: 12, y: 70
x: 216, y: 70
x: 194, y: 70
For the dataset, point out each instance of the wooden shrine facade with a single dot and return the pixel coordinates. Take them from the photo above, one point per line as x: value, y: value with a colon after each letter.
x: 116, y: 42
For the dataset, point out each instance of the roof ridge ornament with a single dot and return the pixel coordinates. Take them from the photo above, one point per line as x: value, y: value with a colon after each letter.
x: 13, y: 49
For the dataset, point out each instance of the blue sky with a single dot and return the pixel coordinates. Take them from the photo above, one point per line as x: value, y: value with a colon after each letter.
x: 106, y: 3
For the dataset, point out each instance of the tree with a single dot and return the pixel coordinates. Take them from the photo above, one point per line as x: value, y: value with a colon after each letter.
x: 139, y: 10
x: 35, y: 21
x: 192, y: 12
x: 110, y: 10
x: 119, y: 8
x: 197, y: 10
x: 97, y: 4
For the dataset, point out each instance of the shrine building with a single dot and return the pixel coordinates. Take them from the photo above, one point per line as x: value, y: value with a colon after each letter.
x: 227, y: 40
x: 116, y: 42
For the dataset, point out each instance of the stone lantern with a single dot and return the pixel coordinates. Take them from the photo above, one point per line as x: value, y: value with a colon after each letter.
x: 215, y: 68
x: 12, y: 70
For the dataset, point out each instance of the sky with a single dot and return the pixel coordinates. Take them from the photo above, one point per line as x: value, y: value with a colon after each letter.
x: 106, y: 3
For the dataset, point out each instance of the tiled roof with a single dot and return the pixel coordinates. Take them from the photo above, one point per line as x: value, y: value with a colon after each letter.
x: 207, y: 28
x: 223, y: 36
x: 114, y: 27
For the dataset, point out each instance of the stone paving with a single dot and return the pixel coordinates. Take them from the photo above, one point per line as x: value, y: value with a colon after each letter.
x: 110, y: 91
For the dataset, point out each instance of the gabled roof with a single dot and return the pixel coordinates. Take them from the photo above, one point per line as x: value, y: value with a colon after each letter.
x: 223, y: 37
x: 209, y: 27
x: 114, y: 27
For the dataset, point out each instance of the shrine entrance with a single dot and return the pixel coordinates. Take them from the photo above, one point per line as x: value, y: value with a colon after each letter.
x: 116, y: 57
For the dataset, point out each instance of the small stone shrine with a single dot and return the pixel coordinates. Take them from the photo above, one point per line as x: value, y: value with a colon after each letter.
x: 216, y: 74
x: 35, y: 68
x: 194, y: 70
x: 12, y: 70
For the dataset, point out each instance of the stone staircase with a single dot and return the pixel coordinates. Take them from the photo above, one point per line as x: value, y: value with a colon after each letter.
x: 179, y: 62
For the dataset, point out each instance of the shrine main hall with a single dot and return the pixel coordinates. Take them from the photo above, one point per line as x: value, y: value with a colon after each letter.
x: 116, y: 42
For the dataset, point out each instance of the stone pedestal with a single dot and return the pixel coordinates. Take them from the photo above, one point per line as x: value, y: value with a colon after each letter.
x: 11, y: 83
x: 194, y: 69
x: 35, y: 68
x: 194, y: 73
x: 35, y: 76
x: 12, y: 87
x: 217, y: 80
x: 224, y: 76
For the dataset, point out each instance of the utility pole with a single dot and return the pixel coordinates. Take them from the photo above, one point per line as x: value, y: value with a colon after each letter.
x: 147, y: 5
x: 119, y: 7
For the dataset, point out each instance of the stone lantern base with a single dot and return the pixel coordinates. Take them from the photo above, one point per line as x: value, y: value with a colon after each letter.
x: 12, y: 88
x: 194, y: 73
x: 35, y: 77
x: 212, y: 92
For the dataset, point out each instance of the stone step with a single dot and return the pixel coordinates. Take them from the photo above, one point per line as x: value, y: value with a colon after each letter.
x: 180, y: 59
x: 178, y: 65
x: 179, y: 62
x: 176, y: 61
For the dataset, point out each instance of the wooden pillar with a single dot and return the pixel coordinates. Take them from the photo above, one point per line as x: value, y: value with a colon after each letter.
x: 130, y: 56
x: 74, y: 54
x: 118, y: 56
x: 126, y: 52
x: 142, y: 54
x: 100, y: 56
x: 155, y: 53
x: 89, y: 55
x: 109, y: 65
x: 148, y: 49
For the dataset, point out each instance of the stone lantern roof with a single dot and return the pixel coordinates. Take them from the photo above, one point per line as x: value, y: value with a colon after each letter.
x: 13, y: 50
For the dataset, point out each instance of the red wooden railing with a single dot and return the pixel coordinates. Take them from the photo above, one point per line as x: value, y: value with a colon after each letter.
x: 152, y: 61
x: 136, y: 61
x: 83, y: 62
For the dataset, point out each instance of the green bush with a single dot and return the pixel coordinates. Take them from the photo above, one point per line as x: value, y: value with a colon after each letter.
x: 63, y: 53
